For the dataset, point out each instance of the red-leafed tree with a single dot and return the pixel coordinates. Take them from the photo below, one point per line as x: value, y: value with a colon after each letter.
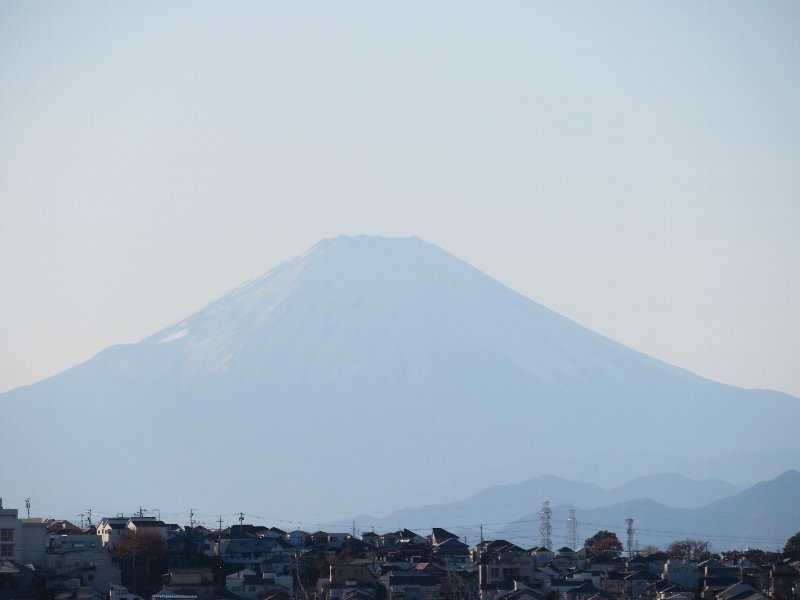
x: 604, y: 542
x: 689, y: 550
x: 142, y: 558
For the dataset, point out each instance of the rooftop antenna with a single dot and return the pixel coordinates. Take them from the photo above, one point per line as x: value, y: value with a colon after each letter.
x: 28, y: 506
x: 630, y: 531
x: 545, y: 528
x: 572, y: 530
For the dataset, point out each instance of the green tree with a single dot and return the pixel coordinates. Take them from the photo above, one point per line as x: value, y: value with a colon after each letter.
x: 792, y: 547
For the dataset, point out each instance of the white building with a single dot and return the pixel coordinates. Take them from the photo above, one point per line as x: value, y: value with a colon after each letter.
x: 21, y: 540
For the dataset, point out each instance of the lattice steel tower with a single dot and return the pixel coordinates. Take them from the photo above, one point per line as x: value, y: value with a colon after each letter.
x: 630, y: 532
x: 545, y: 528
x: 572, y: 530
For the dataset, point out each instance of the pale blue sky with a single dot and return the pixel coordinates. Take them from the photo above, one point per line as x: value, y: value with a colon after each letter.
x: 633, y: 166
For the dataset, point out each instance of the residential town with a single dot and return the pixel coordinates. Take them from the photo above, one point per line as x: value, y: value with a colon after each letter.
x: 141, y: 557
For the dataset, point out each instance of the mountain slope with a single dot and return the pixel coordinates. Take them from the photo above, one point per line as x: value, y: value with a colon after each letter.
x: 762, y: 516
x: 358, y: 375
x: 674, y: 490
x: 502, y: 504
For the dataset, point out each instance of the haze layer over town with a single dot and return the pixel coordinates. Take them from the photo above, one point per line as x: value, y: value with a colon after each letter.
x: 352, y: 261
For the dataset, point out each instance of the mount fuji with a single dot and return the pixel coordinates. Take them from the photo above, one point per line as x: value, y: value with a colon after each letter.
x: 363, y: 374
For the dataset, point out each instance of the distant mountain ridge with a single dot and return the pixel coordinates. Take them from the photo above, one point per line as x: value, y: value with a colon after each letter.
x: 763, y: 516
x: 507, y: 503
x: 359, y: 374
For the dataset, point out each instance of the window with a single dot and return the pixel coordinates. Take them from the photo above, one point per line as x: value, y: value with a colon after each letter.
x: 6, y: 535
x: 7, y: 550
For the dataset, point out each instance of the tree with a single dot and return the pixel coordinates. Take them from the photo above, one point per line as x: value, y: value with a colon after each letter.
x: 604, y: 542
x: 609, y: 546
x: 597, y: 537
x: 689, y: 550
x: 792, y: 547
x: 649, y: 549
x: 142, y: 558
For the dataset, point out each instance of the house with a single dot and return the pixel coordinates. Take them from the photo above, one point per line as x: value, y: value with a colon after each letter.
x: 521, y: 592
x: 298, y: 538
x: 111, y: 529
x: 18, y: 580
x: 275, y: 594
x: 501, y: 565
x: 250, y: 586
x: 259, y: 554
x: 62, y: 526
x: 784, y: 577
x: 81, y: 567
x: 371, y: 538
x: 356, y: 579
x: 182, y: 545
x: 635, y: 583
x: 451, y: 551
x: 738, y: 591
x: 356, y: 572
x: 168, y: 594
x: 73, y: 540
x: 21, y: 540
x: 120, y: 592
x: 682, y: 573
x: 583, y: 592
x: 80, y: 593
x: 561, y: 586
x: 139, y: 524
x: 565, y: 558
x: 410, y: 586
x: 542, y: 555
x: 187, y: 583
x: 439, y: 535
x: 639, y: 563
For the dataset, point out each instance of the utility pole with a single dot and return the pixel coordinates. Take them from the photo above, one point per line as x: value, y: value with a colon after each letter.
x: 241, y: 518
x: 28, y: 506
x: 219, y: 538
x: 191, y: 517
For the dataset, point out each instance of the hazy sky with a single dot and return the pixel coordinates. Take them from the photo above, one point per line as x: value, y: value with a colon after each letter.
x: 633, y: 166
